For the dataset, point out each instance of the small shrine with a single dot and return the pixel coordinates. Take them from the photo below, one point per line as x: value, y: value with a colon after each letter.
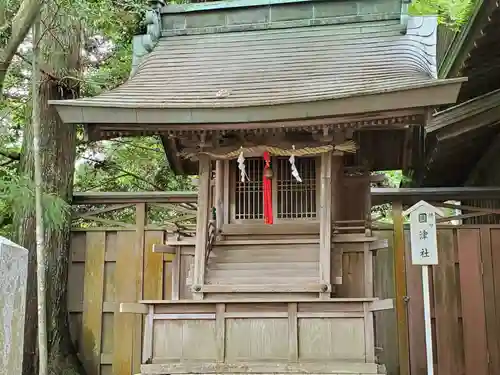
x: 283, y: 109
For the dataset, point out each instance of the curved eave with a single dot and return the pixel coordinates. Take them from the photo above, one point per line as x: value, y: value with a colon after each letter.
x: 434, y: 93
x: 465, y: 41
x: 458, y: 137
x: 476, y: 110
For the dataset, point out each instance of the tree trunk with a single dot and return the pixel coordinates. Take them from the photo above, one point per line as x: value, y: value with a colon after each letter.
x: 20, y: 25
x: 41, y: 270
x: 60, y: 48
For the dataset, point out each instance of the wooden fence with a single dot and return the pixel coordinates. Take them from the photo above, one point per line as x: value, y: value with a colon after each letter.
x: 465, y: 304
x: 114, y: 263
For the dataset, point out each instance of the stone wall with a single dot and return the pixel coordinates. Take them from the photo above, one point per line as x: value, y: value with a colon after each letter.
x: 13, y: 278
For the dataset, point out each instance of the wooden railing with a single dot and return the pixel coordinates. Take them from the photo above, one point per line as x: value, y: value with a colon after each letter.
x: 211, y: 238
x: 352, y: 226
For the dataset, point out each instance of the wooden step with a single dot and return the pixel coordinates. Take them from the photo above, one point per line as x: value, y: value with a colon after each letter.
x: 260, y: 249
x: 275, y: 229
x: 284, y: 265
x: 233, y: 273
x: 269, y: 256
x: 270, y: 242
x: 268, y: 280
x: 264, y: 288
x: 256, y: 280
x: 169, y: 247
x: 264, y: 280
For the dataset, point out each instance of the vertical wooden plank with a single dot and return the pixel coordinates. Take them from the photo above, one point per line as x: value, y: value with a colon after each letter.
x: 227, y: 174
x: 491, y: 277
x: 369, y: 335
x: 337, y: 175
x: 368, y: 270
x: 386, y: 334
x: 293, y: 332
x: 220, y: 331
x: 219, y: 192
x: 153, y: 266
x: 176, y: 274
x: 472, y: 297
x: 93, y: 301
x: 400, y: 284
x: 325, y: 231
x: 446, y: 302
x: 274, y: 191
x: 201, y: 225
x: 140, y: 236
x: 127, y: 272
x: 353, y: 281
x: 147, y: 349
x: 416, y: 327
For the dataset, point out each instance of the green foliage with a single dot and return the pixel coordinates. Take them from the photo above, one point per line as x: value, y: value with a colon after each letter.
x: 453, y: 13
x: 127, y: 164
x: 19, y: 191
x: 137, y: 164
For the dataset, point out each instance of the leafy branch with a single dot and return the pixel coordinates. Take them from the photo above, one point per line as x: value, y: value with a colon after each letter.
x: 20, y: 191
x: 113, y: 165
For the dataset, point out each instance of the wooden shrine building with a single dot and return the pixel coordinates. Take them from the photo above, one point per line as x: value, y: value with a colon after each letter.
x: 282, y: 108
x: 463, y: 138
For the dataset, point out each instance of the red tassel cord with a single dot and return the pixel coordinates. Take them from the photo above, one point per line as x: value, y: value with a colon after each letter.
x: 266, y: 184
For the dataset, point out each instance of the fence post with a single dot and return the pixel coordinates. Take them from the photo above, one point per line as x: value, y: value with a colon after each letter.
x: 400, y: 288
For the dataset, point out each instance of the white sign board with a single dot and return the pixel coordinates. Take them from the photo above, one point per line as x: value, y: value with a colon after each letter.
x: 424, y: 250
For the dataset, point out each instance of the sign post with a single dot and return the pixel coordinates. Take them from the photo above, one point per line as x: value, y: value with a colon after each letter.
x: 424, y: 253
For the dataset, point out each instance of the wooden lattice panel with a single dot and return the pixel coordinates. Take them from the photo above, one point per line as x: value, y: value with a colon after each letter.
x: 249, y: 195
x: 292, y: 199
x: 296, y: 200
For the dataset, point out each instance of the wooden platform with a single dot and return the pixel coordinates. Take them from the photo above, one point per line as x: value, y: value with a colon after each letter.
x: 313, y: 336
x: 258, y: 260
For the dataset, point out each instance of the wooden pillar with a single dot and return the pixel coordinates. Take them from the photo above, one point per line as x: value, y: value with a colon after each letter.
x: 401, y: 294
x: 201, y: 225
x: 367, y: 253
x: 226, y: 187
x: 219, y: 194
x: 337, y: 181
x: 325, y: 231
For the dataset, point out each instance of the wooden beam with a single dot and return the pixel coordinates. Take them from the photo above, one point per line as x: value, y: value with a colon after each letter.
x: 413, y: 195
x: 484, y: 162
x: 325, y: 230
x: 133, y: 308
x: 134, y: 197
x: 400, y: 286
x: 378, y: 195
x: 201, y: 226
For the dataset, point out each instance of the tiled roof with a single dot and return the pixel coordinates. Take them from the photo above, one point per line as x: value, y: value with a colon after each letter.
x: 281, y: 66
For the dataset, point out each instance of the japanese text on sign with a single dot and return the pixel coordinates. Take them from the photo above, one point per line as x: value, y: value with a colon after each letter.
x: 423, y: 236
